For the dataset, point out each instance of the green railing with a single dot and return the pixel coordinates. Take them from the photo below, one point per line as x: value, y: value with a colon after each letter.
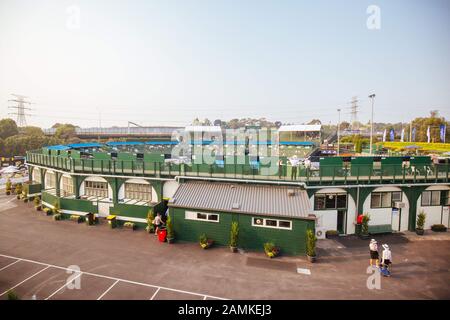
x: 326, y: 174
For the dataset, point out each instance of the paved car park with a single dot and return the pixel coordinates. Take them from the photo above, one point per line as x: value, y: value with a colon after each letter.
x: 36, y: 253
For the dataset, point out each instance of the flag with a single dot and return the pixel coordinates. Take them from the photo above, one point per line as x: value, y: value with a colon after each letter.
x: 413, y: 136
x: 392, y: 135
x: 428, y: 135
x: 384, y: 135
x: 443, y: 129
x: 403, y: 135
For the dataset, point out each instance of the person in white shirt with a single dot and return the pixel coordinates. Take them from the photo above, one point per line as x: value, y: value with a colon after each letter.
x: 386, y: 257
x: 374, y: 257
x: 294, y: 163
x: 157, y: 222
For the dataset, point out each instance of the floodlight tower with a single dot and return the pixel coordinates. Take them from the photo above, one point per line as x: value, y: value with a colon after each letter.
x: 372, y: 97
x: 20, y: 113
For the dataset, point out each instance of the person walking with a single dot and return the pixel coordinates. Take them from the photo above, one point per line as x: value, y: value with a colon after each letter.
x: 294, y: 163
x: 386, y: 258
x: 374, y: 257
x: 280, y: 168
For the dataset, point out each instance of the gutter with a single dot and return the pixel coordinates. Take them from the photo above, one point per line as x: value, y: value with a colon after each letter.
x: 298, y: 184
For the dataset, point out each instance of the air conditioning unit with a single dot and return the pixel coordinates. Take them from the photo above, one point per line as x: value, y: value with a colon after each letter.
x: 321, y: 233
x: 400, y: 205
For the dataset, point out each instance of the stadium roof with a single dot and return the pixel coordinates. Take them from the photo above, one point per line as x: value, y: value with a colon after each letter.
x: 85, y: 145
x: 203, y: 129
x: 301, y: 127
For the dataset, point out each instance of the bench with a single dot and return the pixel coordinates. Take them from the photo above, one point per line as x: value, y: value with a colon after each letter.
x: 382, y: 228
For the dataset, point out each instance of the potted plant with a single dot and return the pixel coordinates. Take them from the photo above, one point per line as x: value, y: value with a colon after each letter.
x: 37, y: 203
x: 150, y: 228
x: 18, y: 190
x: 311, y: 240
x: 234, y: 233
x: 8, y: 187
x: 57, y: 217
x: 365, y: 226
x: 129, y: 225
x: 330, y: 234
x: 25, y: 195
x: 205, y: 243
x: 170, y: 232
x: 438, y: 228
x: 271, y: 250
x: 420, y: 223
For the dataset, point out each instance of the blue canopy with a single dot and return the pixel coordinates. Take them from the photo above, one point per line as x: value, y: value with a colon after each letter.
x: 161, y: 142
x: 85, y: 145
x: 297, y: 143
x: 58, y: 147
x: 124, y: 143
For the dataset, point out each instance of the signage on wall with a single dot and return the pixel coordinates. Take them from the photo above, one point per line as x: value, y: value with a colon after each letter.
x: 395, y: 211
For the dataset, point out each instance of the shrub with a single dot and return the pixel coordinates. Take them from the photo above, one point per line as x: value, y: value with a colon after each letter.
x: 56, y: 207
x: 169, y: 228
x: 203, y: 239
x: 47, y: 211
x: 150, y: 217
x: 311, y: 240
x: 75, y: 217
x: 365, y: 223
x: 130, y: 225
x: 421, y: 220
x: 37, y: 201
x: 234, y: 233
x: 271, y: 250
x: 57, y: 217
x: 8, y: 187
x: 438, y: 228
x: 12, y: 295
x: 331, y: 233
x: 18, y: 189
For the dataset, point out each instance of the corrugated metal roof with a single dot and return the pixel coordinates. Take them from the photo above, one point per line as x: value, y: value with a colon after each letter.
x: 251, y: 199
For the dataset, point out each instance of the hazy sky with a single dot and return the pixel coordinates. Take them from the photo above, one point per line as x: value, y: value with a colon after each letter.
x: 170, y: 61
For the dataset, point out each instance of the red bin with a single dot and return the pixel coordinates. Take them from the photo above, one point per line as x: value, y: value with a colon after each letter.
x: 162, y: 234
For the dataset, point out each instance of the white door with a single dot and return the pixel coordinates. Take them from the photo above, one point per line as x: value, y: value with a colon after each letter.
x: 103, y: 209
x: 396, y: 219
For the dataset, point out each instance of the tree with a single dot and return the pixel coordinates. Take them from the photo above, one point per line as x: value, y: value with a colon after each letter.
x: 32, y: 131
x: 65, y: 132
x: 315, y: 121
x: 8, y: 128
x: 218, y: 122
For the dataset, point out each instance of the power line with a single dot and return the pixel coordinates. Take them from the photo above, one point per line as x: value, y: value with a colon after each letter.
x: 20, y: 113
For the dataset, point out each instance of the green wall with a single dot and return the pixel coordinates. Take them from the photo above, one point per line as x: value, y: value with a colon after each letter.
x: 291, y: 242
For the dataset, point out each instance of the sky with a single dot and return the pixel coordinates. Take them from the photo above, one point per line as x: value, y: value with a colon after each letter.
x: 166, y: 62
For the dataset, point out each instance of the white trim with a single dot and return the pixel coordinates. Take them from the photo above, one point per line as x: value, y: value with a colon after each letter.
x: 48, y: 205
x: 271, y: 227
x: 187, y: 217
x: 33, y: 194
x: 7, y: 266
x: 124, y: 218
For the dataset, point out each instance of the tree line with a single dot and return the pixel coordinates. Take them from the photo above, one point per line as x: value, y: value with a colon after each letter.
x: 15, y: 141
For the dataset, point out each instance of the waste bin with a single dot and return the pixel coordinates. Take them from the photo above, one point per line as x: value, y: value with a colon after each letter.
x: 112, y: 221
x: 90, y: 218
x: 162, y: 234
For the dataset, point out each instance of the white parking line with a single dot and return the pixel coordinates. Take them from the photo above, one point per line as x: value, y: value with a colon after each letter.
x: 25, y: 280
x: 65, y: 284
x: 154, y: 295
x: 107, y: 290
x: 10, y: 264
x: 111, y: 278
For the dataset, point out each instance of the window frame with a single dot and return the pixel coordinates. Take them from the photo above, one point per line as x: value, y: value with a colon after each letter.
x: 383, y: 194
x: 188, y: 216
x: 430, y: 203
x: 325, y: 197
x: 96, y: 189
x: 137, y: 191
x: 263, y: 225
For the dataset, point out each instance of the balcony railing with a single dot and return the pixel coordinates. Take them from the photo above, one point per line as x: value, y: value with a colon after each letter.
x: 326, y: 175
